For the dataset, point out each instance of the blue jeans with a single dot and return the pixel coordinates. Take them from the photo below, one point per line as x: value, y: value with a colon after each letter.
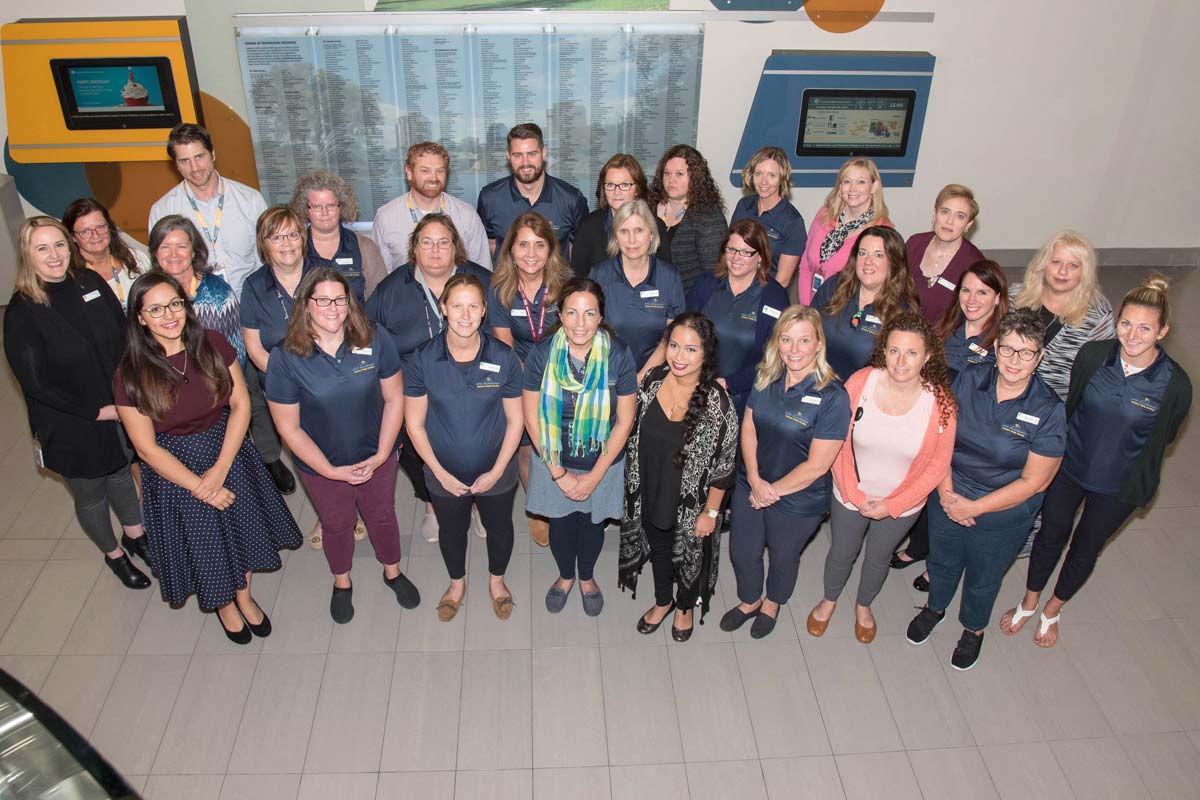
x: 977, y: 556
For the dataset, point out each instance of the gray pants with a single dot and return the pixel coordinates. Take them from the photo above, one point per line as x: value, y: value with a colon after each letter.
x: 92, y: 498
x: 262, y: 429
x: 849, y: 528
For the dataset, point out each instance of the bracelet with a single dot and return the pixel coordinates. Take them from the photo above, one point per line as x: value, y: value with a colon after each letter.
x: 560, y: 477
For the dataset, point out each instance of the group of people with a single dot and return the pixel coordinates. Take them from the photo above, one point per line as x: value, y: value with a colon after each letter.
x: 642, y: 362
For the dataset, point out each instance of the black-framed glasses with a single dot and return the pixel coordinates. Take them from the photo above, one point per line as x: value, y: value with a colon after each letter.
x: 280, y: 238
x: 1007, y: 352
x: 624, y: 187
x: 175, y: 305
x: 733, y: 251
x: 325, y: 302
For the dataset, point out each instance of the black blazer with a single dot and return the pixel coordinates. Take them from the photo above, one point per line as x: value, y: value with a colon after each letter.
x: 66, y: 377
x: 590, y: 245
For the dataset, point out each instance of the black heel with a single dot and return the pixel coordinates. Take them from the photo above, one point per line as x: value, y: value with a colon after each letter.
x: 127, y: 573
x: 649, y: 628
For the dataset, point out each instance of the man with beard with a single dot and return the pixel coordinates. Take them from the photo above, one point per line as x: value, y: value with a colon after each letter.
x: 529, y: 188
x: 426, y: 168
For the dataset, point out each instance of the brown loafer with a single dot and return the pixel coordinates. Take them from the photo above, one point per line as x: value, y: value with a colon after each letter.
x: 447, y: 609
x: 502, y: 607
x: 864, y: 635
x: 816, y: 627
x: 539, y: 531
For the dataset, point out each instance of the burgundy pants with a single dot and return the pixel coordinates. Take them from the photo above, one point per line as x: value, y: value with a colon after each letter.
x: 338, y: 507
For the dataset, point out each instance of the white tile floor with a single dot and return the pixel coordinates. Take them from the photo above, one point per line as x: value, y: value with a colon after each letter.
x: 397, y: 704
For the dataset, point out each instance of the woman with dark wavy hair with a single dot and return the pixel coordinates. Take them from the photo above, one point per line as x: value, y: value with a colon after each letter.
x: 897, y: 451
x: 680, y: 465
x: 687, y: 200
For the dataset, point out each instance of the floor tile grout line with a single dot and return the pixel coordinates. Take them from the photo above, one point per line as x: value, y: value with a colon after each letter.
x: 813, y: 687
x: 22, y: 605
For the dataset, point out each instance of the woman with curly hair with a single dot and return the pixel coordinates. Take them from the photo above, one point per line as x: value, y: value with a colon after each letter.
x: 101, y: 248
x: 856, y: 306
x: 327, y: 205
x: 688, y: 202
x: 675, y: 484
x: 897, y: 452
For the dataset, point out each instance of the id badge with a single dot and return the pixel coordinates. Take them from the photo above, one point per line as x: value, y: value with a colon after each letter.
x: 38, y: 458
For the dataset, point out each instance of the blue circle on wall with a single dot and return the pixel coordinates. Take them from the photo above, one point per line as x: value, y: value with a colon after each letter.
x: 49, y: 188
x: 758, y: 5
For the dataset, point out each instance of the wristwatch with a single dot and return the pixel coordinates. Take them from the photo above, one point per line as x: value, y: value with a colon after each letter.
x: 712, y: 513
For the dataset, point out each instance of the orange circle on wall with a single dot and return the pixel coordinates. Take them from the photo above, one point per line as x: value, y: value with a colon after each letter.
x: 842, y: 16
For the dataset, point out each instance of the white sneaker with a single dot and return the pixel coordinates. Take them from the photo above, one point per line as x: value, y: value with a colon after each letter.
x: 429, y: 527
x: 477, y: 524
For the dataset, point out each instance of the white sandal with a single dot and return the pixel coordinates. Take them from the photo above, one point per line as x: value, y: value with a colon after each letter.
x: 1044, y: 625
x: 1018, y: 618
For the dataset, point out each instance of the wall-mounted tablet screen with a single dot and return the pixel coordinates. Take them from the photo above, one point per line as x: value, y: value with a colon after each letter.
x: 855, y: 122
x: 115, y: 93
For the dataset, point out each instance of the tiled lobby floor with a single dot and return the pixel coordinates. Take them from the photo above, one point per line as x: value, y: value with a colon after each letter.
x: 399, y: 705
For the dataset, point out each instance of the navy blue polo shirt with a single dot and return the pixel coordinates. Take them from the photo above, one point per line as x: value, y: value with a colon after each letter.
x: 1110, y: 425
x: 741, y: 322
x: 994, y: 440
x: 522, y: 321
x: 783, y: 223
x: 622, y: 382
x: 399, y: 304
x: 347, y: 260
x: 465, y: 420
x: 962, y: 350
x: 341, y: 402
x: 849, y: 336
x: 560, y: 203
x: 639, y: 313
x: 266, y: 306
x: 786, y: 422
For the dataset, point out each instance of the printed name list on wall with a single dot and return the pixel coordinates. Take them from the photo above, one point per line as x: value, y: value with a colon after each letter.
x: 353, y: 102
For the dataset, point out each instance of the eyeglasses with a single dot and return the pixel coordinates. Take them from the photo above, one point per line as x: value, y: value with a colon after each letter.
x: 733, y: 251
x: 280, y: 238
x: 324, y: 302
x: 1007, y: 352
x: 433, y: 244
x: 91, y: 233
x: 624, y: 187
x: 324, y: 207
x: 175, y: 305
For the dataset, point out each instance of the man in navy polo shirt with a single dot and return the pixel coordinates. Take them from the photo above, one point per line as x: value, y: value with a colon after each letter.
x: 529, y: 188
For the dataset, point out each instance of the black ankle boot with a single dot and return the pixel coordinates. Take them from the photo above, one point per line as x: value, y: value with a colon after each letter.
x: 139, y: 547
x: 127, y: 573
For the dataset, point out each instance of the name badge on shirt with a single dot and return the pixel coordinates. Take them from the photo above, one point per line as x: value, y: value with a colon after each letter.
x: 649, y: 293
x: 945, y: 284
x: 811, y: 399
x: 489, y: 367
x: 92, y: 295
x: 361, y: 351
x: 773, y: 313
x: 1023, y: 417
x: 343, y: 261
x: 519, y: 312
x: 977, y: 350
x: 871, y: 319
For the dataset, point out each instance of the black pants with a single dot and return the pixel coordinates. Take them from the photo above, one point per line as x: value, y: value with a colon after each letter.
x: 575, y: 542
x: 262, y: 427
x: 758, y: 532
x: 918, y: 537
x: 1102, y: 517
x: 454, y: 521
x: 413, y: 467
x: 662, y: 562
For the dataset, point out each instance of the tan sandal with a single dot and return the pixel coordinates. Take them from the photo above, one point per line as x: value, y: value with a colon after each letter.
x: 447, y: 609
x: 539, y: 531
x: 502, y: 607
x: 315, y: 538
x: 360, y: 531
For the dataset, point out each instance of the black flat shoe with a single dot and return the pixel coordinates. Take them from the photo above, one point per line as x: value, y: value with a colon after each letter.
x: 900, y: 563
x: 921, y: 583
x: 341, y: 605
x: 263, y: 629
x: 285, y: 482
x: 681, y: 635
x: 735, y: 618
x: 648, y: 628
x: 127, y: 573
x: 763, y: 625
x: 406, y: 593
x: 140, y: 547
x: 237, y: 637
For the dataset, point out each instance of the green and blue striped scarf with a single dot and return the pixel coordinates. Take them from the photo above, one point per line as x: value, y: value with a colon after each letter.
x: 589, y: 430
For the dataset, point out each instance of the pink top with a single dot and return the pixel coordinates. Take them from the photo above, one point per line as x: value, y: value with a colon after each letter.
x: 930, y: 465
x: 810, y: 262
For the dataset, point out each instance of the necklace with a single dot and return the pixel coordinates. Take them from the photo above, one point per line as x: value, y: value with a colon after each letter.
x: 939, y: 256
x: 182, y: 372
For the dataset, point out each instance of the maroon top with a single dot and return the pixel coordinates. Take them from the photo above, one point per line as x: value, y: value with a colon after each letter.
x: 194, y: 408
x: 935, y: 299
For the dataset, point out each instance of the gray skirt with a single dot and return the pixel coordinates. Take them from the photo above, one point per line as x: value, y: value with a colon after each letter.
x: 545, y: 499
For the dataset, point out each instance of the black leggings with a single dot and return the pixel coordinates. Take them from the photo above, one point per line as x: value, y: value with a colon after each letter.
x: 1102, y: 517
x: 454, y: 520
x: 413, y: 467
x: 92, y: 498
x: 918, y: 537
x: 576, y: 540
x: 662, y: 564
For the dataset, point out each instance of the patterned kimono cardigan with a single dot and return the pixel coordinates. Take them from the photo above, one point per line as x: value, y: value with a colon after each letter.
x: 708, y: 462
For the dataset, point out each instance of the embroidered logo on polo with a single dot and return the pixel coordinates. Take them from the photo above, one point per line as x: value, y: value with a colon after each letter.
x: 796, y: 417
x: 751, y: 316
x: 363, y: 368
x: 1145, y: 403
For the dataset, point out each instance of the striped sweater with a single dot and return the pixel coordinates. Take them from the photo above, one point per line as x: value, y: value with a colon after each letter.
x: 1097, y: 324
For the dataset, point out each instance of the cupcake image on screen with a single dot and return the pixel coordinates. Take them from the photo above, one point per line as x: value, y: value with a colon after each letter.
x: 134, y: 94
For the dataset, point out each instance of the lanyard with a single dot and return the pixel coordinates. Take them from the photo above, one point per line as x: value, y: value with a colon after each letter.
x: 412, y: 210
x: 536, y: 333
x: 216, y: 229
x: 430, y: 302
x: 115, y: 283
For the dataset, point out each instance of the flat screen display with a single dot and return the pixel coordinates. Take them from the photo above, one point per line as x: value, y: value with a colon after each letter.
x: 855, y: 122
x: 111, y: 93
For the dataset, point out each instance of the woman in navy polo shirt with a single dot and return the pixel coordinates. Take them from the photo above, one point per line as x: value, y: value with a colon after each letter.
x: 795, y: 423
x: 767, y: 184
x: 1009, y: 443
x: 336, y: 394
x: 743, y: 303
x: 1126, y: 403
x: 407, y: 306
x: 855, y: 306
x: 463, y: 411
x: 579, y: 399
x: 327, y: 204
x: 642, y: 293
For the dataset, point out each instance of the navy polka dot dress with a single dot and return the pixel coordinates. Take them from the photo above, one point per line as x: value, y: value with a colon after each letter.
x: 197, y: 549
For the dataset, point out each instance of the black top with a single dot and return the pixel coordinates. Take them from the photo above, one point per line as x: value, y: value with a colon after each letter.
x: 661, y: 479
x: 696, y: 243
x: 64, y: 356
x: 591, y: 241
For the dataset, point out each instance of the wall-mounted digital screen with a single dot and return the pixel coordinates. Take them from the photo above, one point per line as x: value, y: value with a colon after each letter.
x: 855, y: 122
x: 111, y: 93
